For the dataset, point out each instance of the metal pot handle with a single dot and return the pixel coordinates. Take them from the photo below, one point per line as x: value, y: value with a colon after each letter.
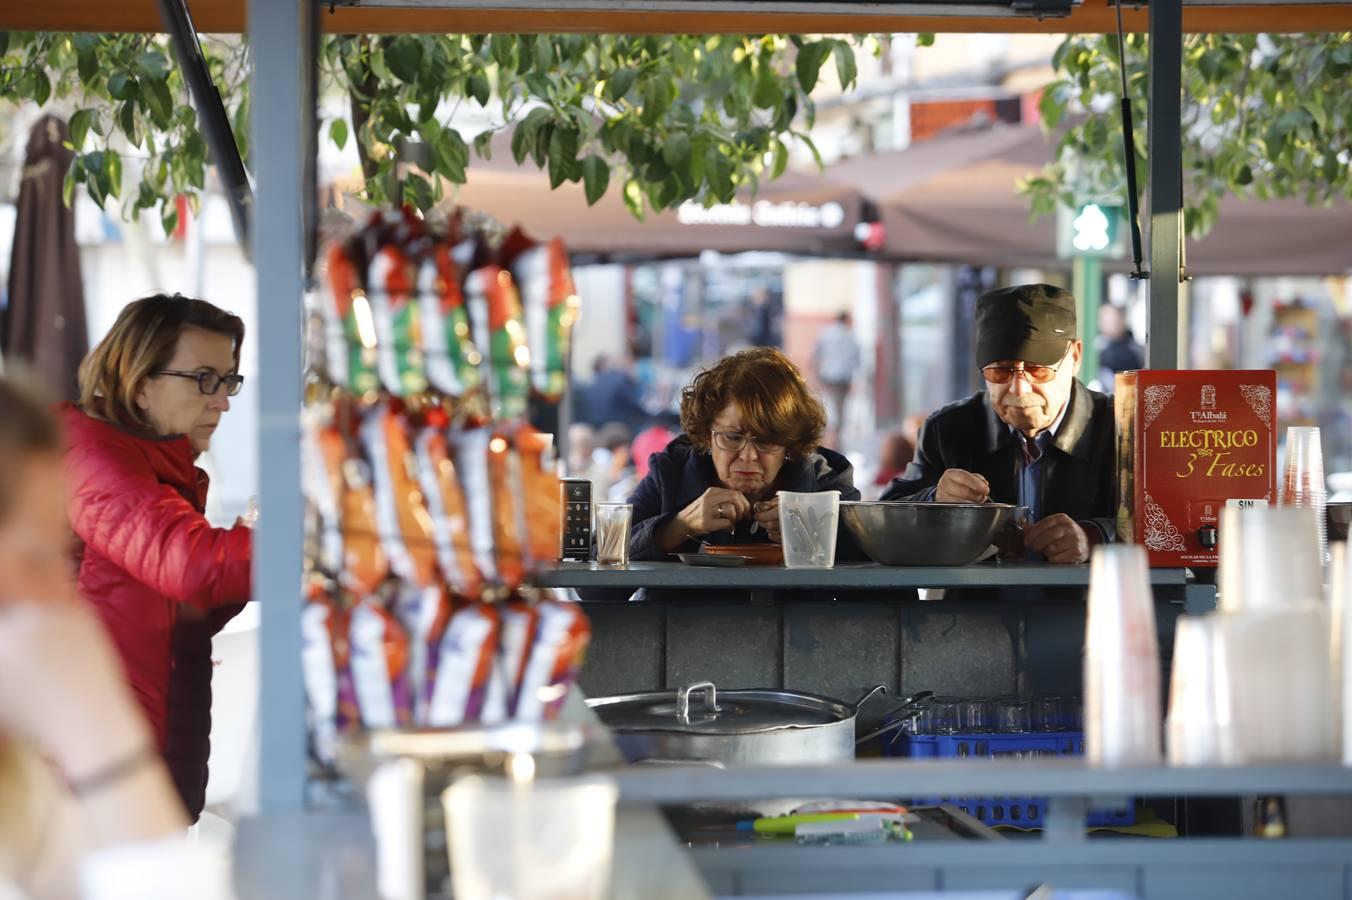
x: 683, y: 699
x: 868, y: 695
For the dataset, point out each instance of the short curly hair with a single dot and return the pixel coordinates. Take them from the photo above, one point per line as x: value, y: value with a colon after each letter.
x: 773, y: 397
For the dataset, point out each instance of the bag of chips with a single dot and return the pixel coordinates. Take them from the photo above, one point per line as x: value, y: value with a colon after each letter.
x: 405, y: 526
x: 379, y: 664
x: 398, y: 329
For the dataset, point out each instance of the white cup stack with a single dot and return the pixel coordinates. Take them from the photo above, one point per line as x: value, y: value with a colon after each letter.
x: 1121, y: 661
x: 1340, y: 613
x: 1272, y: 653
x: 1194, y: 727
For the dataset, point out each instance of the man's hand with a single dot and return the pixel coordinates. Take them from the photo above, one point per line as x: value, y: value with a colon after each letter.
x: 1059, y: 539
x: 958, y: 486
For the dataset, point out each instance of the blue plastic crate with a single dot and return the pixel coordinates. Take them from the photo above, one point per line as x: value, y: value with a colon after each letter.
x: 1020, y: 812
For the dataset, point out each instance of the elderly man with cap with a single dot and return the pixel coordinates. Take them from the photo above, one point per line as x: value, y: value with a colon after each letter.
x: 1036, y: 437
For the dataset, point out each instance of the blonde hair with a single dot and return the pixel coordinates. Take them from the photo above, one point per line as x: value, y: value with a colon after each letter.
x: 140, y: 343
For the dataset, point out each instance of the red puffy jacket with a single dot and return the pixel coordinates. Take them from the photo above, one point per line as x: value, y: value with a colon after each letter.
x: 163, y: 580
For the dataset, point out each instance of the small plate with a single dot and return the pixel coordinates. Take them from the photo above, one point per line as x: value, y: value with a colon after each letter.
x: 704, y: 559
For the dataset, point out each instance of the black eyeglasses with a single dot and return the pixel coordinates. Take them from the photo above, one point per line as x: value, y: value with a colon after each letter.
x: 734, y: 441
x: 209, y: 382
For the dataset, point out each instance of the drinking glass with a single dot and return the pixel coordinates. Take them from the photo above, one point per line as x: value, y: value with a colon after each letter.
x: 1015, y: 716
x: 1048, y: 713
x: 612, y: 533
x: 945, y: 715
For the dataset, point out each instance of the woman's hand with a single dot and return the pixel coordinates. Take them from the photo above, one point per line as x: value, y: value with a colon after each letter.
x: 717, y: 509
x: 767, y: 516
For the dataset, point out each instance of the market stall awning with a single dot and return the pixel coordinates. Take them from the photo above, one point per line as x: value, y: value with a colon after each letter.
x: 798, y: 213
x: 954, y: 199
x: 675, y: 17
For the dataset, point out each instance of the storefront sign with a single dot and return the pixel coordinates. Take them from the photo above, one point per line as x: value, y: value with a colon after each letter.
x: 764, y: 214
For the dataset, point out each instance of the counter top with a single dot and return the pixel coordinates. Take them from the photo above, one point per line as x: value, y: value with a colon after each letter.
x: 848, y: 576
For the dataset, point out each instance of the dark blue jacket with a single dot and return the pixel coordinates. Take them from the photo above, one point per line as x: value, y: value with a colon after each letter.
x: 680, y: 474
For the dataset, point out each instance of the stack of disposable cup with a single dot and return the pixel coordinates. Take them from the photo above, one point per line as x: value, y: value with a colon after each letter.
x: 1268, y: 558
x: 1193, y: 729
x: 1340, y: 598
x: 1121, y: 661
x: 1303, y: 479
x: 1273, y: 672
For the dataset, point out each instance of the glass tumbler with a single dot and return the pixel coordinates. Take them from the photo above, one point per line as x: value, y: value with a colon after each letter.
x: 974, y: 715
x: 612, y: 533
x: 1048, y: 713
x: 1015, y: 716
x: 944, y: 711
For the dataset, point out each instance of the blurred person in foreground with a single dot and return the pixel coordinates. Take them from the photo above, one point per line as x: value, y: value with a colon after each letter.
x: 162, y: 578
x: 752, y: 428
x: 87, y: 808
x: 1036, y: 437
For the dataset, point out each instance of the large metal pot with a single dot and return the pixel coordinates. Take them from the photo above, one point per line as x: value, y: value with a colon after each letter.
x: 698, y: 723
x: 901, y: 533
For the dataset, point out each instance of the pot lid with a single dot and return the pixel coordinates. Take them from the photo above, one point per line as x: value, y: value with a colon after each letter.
x: 703, y: 709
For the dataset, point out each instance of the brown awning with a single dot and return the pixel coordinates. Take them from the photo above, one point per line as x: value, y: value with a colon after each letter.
x: 798, y: 213
x: 954, y: 199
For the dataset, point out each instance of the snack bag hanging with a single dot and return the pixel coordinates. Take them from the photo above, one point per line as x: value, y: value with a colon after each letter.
x: 556, y: 658
x: 509, y: 511
x: 549, y: 297
x: 463, y: 666
x: 320, y: 629
x: 405, y: 527
x: 350, y: 331
x: 449, y: 509
x: 398, y: 331
x: 379, y: 664
x: 365, y: 565
x: 539, y: 494
x: 322, y: 453
x: 453, y: 361
x: 471, y: 464
x: 495, y: 312
x: 520, y: 622
x: 424, y: 613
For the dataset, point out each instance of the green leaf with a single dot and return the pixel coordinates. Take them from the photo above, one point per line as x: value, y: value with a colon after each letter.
x: 768, y: 94
x: 338, y: 132
x: 112, y: 172
x: 87, y: 65
x: 633, y: 198
x: 80, y: 123
x: 816, y: 154
x: 543, y: 135
x: 126, y: 120
x: 718, y: 170
x: 781, y: 161
x: 676, y: 150
x: 846, y: 68
x: 1244, y: 176
x: 478, y: 88
x: 42, y: 88
x: 523, y: 139
x: 595, y: 177
x: 153, y: 65
x: 404, y: 56
x: 619, y: 83
x: 169, y: 216
x: 544, y: 55
x: 924, y: 39
x: 418, y: 192
x: 74, y: 174
x: 502, y: 47
x: 160, y: 102
x: 483, y: 145
x: 4, y: 45
x: 122, y: 86
x: 454, y: 155
x: 809, y: 64
x: 562, y: 156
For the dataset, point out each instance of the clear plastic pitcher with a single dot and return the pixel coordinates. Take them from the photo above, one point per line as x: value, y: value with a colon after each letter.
x: 807, y: 526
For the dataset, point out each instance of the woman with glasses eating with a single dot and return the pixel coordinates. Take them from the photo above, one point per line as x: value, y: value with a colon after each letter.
x: 1035, y: 437
x: 163, y: 580
x: 751, y: 428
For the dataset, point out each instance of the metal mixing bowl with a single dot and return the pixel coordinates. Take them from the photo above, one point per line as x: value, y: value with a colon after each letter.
x: 923, y: 534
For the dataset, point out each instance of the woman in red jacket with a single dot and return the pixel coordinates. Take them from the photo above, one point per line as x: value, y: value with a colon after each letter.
x: 162, y: 578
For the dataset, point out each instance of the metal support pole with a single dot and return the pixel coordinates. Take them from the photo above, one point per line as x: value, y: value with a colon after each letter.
x: 1166, y: 182
x: 276, y: 32
x: 1087, y: 285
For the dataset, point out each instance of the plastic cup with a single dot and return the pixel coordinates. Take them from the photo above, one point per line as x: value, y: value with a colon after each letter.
x: 612, y: 533
x: 1275, y: 685
x: 1268, y: 558
x: 394, y: 794
x: 551, y: 839
x: 1340, y: 617
x: 808, y: 523
x: 1194, y: 725
x: 1303, y: 479
x: 1121, y: 661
